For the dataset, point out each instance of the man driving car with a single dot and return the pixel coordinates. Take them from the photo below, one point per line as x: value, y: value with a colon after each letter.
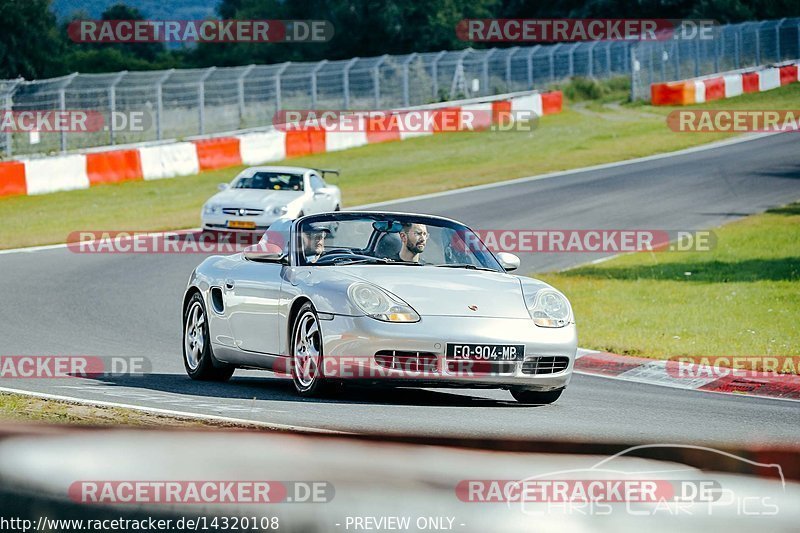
x: 314, y: 242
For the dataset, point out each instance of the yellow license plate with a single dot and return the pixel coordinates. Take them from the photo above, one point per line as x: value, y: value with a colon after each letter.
x: 241, y: 224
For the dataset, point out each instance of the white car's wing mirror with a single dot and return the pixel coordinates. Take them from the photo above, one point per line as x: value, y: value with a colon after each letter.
x: 508, y: 261
x: 223, y: 186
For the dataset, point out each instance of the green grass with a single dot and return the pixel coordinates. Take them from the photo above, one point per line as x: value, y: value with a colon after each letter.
x: 740, y: 298
x: 20, y: 408
x: 16, y: 407
x: 575, y: 138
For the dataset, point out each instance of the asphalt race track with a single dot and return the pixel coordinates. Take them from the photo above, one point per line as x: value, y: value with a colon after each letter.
x: 57, y: 302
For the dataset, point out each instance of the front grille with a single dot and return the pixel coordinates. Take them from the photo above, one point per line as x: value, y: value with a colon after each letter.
x: 545, y: 365
x: 247, y: 211
x: 409, y: 361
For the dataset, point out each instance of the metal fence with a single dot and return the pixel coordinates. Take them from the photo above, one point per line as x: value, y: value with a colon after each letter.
x: 187, y: 102
x: 733, y: 47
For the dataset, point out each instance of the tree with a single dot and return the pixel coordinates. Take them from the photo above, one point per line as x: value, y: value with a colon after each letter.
x: 361, y: 28
x: 109, y: 57
x: 30, y: 44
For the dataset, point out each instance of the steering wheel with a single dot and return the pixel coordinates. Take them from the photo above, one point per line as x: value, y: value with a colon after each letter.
x: 333, y: 258
x: 338, y: 251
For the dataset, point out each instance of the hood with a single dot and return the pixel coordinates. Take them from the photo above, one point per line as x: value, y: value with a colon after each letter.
x: 255, y: 198
x: 435, y: 291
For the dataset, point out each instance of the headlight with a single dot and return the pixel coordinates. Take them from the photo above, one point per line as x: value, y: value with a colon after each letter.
x: 549, y: 309
x: 379, y: 304
x: 282, y: 210
x: 211, y: 209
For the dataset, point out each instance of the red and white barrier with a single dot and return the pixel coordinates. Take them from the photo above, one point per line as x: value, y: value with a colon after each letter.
x: 262, y: 147
x: 80, y: 171
x: 61, y: 173
x: 169, y: 160
x: 725, y: 85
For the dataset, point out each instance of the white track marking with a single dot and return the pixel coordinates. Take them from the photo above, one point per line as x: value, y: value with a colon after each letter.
x: 170, y: 412
x: 655, y: 157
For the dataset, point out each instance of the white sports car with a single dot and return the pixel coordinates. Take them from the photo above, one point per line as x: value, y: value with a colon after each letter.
x: 259, y: 196
x: 378, y: 298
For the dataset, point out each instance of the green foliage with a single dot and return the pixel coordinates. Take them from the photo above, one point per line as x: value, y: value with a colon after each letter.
x: 579, y: 89
x: 30, y: 45
x: 33, y: 45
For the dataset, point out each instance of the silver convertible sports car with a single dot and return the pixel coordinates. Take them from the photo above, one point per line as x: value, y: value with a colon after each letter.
x: 259, y: 196
x: 378, y: 299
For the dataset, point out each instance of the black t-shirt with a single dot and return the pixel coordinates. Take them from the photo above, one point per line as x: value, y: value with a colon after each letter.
x: 396, y: 257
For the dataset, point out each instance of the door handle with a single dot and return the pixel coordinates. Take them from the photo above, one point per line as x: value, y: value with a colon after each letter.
x: 229, y: 284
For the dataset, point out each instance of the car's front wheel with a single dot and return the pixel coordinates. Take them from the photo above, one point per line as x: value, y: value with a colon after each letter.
x: 197, y: 355
x: 532, y: 397
x: 307, y: 352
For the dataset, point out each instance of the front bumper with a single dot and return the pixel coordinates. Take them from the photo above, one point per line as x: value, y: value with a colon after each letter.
x: 350, y: 345
x: 219, y: 222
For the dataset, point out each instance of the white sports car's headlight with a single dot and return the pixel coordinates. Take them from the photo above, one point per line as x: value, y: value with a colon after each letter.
x: 211, y: 209
x: 379, y: 304
x: 549, y: 309
x: 282, y: 210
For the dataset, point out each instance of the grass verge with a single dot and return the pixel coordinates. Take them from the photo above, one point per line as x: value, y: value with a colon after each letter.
x: 740, y: 298
x: 23, y: 408
x: 590, y: 134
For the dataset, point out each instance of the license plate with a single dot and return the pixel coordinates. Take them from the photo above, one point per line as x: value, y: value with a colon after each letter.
x: 485, y: 352
x: 241, y: 224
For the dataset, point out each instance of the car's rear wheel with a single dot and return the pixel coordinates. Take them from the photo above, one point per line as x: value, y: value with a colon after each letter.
x: 532, y: 397
x: 307, y: 353
x: 198, y: 358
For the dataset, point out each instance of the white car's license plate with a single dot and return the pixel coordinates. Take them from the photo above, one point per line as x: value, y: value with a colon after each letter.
x: 241, y: 224
x: 485, y: 352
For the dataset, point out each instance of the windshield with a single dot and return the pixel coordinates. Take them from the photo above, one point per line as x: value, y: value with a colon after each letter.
x: 406, y: 240
x: 277, y: 181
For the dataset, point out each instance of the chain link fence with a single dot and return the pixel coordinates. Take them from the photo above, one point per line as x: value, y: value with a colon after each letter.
x: 181, y: 103
x: 733, y: 47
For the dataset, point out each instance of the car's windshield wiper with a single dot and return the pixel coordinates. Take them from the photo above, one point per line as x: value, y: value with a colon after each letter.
x: 373, y: 261
x: 465, y: 265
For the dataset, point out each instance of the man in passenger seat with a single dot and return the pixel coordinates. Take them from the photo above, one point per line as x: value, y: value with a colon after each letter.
x: 413, y: 238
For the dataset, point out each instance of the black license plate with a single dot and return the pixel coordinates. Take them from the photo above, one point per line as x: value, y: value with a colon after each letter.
x: 485, y: 352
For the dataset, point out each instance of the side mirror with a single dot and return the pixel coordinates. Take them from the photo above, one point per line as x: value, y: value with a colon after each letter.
x: 222, y: 186
x: 265, y: 254
x: 508, y: 261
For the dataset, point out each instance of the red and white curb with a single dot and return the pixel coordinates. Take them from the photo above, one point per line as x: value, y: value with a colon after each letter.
x: 655, y: 372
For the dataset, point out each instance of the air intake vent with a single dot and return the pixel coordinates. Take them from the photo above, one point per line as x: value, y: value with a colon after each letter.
x: 216, y: 300
x: 408, y: 361
x: 545, y: 365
